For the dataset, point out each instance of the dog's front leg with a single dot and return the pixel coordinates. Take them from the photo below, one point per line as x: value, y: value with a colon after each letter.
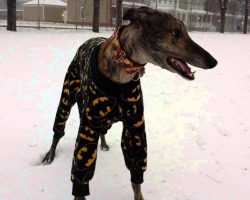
x: 134, y: 148
x: 80, y: 198
x: 137, y: 191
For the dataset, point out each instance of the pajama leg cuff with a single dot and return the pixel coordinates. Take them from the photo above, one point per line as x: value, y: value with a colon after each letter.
x: 136, y: 177
x: 80, y: 190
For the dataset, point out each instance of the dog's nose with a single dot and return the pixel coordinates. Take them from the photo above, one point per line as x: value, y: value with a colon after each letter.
x: 211, y: 62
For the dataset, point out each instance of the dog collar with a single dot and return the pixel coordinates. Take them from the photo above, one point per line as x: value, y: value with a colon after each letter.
x: 123, y: 59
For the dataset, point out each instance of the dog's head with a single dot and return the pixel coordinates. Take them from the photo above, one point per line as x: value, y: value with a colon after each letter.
x: 166, y: 42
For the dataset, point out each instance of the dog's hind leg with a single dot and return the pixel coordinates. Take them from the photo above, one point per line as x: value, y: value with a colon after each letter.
x: 104, y: 145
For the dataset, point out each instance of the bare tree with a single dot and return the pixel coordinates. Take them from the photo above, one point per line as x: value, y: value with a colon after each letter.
x: 246, y: 17
x: 118, y: 13
x: 223, y: 8
x: 11, y: 21
x: 96, y: 16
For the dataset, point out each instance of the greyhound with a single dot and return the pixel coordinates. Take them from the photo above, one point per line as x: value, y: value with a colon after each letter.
x: 151, y: 36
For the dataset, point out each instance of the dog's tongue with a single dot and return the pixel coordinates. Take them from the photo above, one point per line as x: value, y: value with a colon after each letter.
x: 182, y: 67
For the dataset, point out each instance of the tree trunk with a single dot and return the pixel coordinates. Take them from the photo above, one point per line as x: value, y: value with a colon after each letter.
x: 39, y: 14
x: 246, y: 17
x: 222, y: 19
x: 118, y: 13
x: 96, y: 16
x: 11, y: 21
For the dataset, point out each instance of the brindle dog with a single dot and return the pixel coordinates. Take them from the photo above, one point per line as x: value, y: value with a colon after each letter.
x: 155, y: 37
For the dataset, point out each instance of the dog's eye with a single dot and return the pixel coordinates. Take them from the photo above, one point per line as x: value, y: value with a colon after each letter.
x: 175, y: 33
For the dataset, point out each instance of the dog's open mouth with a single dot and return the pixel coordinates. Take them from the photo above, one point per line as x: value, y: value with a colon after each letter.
x: 181, y: 68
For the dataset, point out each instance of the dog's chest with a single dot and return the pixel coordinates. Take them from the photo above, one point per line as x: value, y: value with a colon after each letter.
x: 104, y: 102
x: 101, y: 110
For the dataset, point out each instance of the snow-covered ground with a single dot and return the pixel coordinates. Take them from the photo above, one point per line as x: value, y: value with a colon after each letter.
x: 198, y: 132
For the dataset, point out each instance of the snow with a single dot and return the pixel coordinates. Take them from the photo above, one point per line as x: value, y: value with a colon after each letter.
x: 127, y: 3
x: 46, y: 2
x: 198, y: 132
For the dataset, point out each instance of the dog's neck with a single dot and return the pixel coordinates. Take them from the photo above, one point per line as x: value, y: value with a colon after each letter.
x: 120, y: 58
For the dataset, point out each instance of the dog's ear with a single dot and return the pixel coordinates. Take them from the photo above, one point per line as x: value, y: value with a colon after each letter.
x: 137, y: 14
x: 129, y: 15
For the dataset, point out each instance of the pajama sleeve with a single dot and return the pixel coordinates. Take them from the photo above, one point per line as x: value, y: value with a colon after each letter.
x: 70, y: 92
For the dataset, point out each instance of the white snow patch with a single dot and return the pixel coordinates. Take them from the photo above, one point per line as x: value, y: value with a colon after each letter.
x: 46, y: 2
x: 198, y: 132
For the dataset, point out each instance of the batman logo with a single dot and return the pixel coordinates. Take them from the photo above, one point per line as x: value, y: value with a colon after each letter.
x: 101, y: 107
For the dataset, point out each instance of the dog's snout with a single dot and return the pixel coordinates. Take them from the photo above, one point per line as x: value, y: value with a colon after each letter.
x: 206, y: 60
x: 212, y: 62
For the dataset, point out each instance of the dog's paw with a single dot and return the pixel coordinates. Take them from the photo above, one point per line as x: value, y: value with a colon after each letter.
x: 104, y: 147
x: 139, y: 197
x: 48, y: 158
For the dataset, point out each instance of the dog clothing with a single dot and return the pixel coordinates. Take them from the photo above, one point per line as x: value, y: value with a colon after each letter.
x: 101, y: 102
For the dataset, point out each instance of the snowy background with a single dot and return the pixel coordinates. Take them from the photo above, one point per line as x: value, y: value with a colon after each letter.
x: 198, y: 132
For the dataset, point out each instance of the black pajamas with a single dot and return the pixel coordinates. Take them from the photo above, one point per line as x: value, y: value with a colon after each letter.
x: 101, y: 102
